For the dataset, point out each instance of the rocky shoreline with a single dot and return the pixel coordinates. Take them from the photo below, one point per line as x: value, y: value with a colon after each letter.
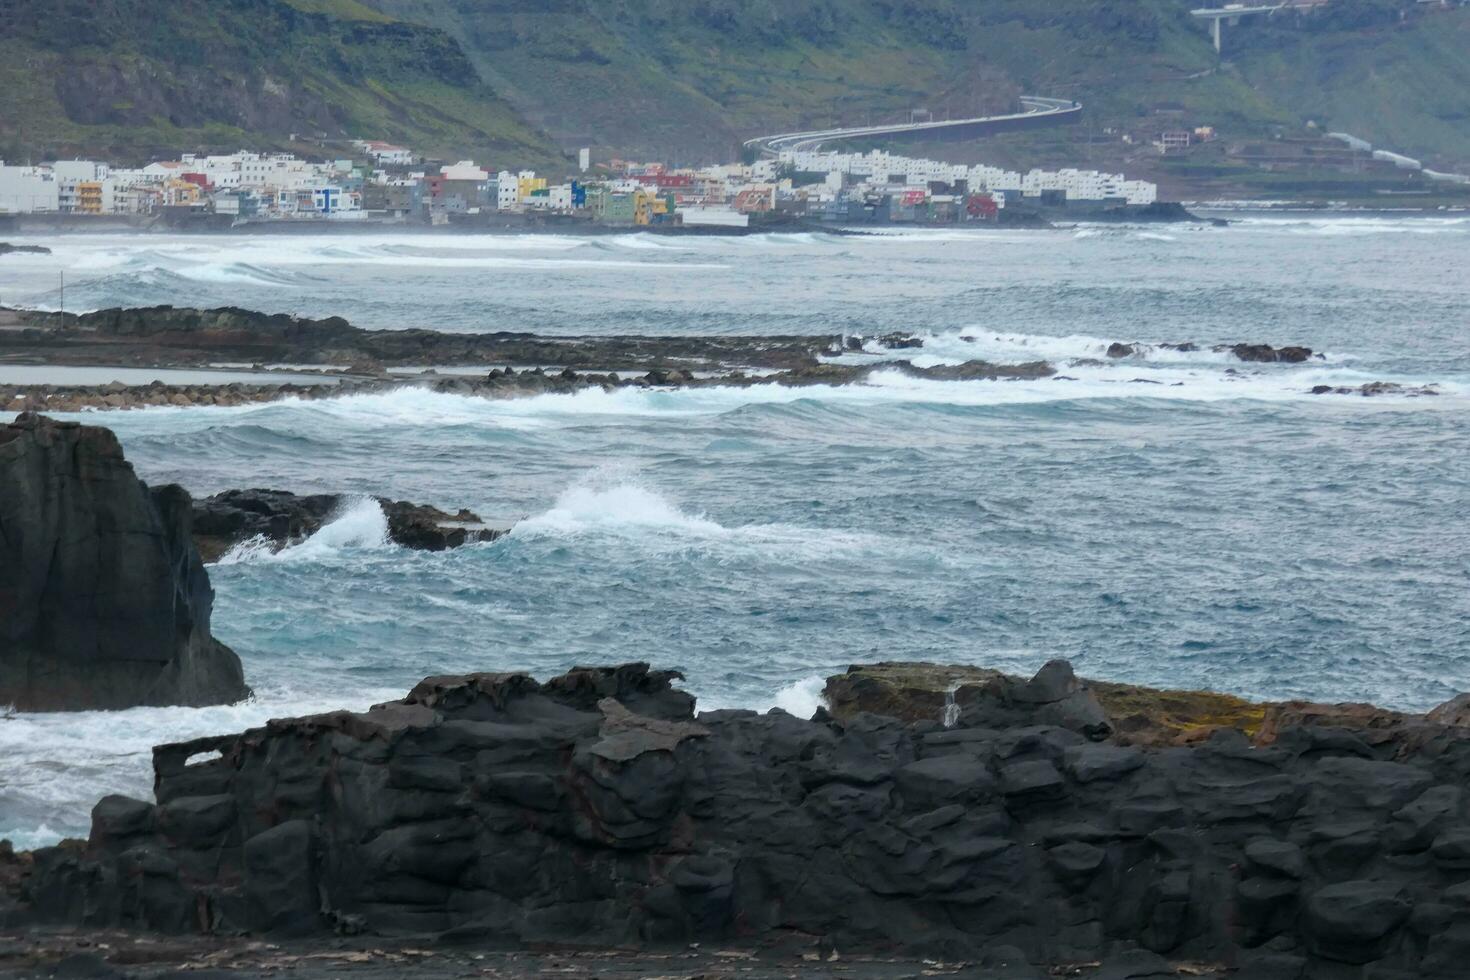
x: 1010, y: 834
x: 928, y: 820
x: 354, y: 361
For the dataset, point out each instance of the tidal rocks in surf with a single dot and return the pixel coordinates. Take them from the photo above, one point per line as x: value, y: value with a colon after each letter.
x: 104, y: 602
x: 6, y: 249
x: 900, y: 341
x: 1255, y: 353
x: 282, y: 518
x: 1266, y: 354
x: 597, y: 808
x: 1372, y: 388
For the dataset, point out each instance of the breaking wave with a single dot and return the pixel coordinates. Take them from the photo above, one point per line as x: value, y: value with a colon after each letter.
x: 358, y: 525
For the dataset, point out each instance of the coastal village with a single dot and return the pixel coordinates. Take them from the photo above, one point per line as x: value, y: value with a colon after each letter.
x: 384, y: 183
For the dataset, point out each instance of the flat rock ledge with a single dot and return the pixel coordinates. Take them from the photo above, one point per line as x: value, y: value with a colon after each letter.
x: 598, y: 809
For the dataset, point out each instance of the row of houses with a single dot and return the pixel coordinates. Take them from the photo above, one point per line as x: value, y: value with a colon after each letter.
x: 877, y: 168
x: 238, y: 183
x: 382, y: 184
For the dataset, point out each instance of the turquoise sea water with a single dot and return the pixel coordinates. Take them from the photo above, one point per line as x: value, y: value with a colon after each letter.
x: 1180, y: 519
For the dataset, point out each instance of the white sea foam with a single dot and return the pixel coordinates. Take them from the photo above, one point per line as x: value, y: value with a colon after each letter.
x: 958, y: 346
x: 621, y: 507
x: 801, y: 698
x: 609, y: 505
x: 1340, y: 226
x: 57, y: 765
x: 359, y: 524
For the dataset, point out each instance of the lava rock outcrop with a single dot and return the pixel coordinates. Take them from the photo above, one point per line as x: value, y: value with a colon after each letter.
x: 104, y: 602
x: 280, y: 518
x: 597, y: 808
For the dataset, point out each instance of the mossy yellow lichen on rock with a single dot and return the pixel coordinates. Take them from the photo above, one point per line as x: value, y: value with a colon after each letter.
x: 1134, y: 714
x: 1148, y: 714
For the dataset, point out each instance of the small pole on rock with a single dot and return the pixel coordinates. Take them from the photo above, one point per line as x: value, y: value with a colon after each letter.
x: 61, y: 276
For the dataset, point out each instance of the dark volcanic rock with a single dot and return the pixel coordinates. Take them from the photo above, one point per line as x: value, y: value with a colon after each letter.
x: 6, y: 248
x: 969, y: 696
x: 1257, y: 353
x: 1265, y: 353
x: 596, y: 808
x: 1133, y: 714
x: 104, y: 602
x: 281, y: 518
x: 1372, y: 388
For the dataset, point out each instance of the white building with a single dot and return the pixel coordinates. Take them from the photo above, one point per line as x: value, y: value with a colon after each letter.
x: 386, y: 154
x: 464, y: 170
x: 72, y: 173
x: 28, y: 190
x: 508, y: 191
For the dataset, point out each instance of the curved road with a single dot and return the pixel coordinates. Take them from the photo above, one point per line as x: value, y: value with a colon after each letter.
x: 1039, y: 111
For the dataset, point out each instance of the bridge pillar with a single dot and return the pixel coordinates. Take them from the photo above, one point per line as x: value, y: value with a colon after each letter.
x: 1216, y: 31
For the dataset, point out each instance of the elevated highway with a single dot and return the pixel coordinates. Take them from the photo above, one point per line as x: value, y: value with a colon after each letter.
x: 1037, y: 112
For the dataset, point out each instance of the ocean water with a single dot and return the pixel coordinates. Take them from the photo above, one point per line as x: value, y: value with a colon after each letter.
x: 1172, y: 518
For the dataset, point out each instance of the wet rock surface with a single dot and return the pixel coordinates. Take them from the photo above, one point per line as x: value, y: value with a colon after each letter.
x: 1372, y: 388
x: 104, y: 602
x: 171, y: 335
x: 6, y: 248
x: 597, y: 807
x: 506, y: 382
x: 1252, y: 353
x: 281, y: 518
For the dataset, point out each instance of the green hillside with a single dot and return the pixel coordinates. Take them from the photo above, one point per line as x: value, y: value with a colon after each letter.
x: 690, y: 79
x: 130, y: 79
x: 519, y: 82
x: 1404, y: 84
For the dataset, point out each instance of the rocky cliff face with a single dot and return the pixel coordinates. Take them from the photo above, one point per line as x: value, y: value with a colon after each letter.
x: 597, y: 808
x: 104, y: 602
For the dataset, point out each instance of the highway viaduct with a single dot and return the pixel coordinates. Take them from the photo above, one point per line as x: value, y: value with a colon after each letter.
x: 1037, y: 111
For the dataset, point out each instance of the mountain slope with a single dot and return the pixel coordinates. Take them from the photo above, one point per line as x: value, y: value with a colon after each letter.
x: 1404, y: 84
x: 691, y: 78
x: 127, y: 79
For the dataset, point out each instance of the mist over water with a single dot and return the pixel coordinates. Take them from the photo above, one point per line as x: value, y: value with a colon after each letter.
x: 1174, y: 518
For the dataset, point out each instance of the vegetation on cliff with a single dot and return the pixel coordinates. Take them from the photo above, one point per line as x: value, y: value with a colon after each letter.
x: 659, y: 78
x: 520, y: 81
x: 127, y: 80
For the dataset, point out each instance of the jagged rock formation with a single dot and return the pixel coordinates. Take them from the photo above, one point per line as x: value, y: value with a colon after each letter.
x: 597, y: 808
x: 281, y: 517
x: 104, y: 602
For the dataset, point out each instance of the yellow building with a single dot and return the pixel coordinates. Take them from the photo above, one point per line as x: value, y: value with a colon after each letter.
x: 643, y: 203
x: 89, y: 197
x: 177, y: 193
x: 527, y: 184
